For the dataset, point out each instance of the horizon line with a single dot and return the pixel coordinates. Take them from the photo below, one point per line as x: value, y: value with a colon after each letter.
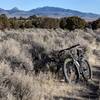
x: 52, y: 7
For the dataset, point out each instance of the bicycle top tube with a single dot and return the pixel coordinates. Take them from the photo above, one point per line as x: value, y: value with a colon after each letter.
x: 69, y: 48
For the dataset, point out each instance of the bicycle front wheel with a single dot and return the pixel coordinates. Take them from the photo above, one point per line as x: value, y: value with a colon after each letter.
x: 70, y: 71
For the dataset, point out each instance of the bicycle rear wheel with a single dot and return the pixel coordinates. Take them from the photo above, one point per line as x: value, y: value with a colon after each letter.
x: 70, y: 71
x: 86, y: 70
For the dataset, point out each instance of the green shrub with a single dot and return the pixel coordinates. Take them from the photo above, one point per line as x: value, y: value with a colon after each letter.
x: 96, y: 24
x: 63, y: 23
x: 75, y: 23
x: 28, y: 24
x: 14, y: 23
x: 50, y: 23
x: 4, y: 23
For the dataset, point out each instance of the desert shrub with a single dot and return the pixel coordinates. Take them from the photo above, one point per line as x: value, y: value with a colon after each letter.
x: 96, y: 24
x: 14, y: 23
x: 21, y: 24
x: 63, y: 23
x: 17, y: 23
x: 37, y: 22
x: 75, y: 23
x: 38, y: 57
x: 21, y: 18
x: 89, y: 25
x: 32, y: 17
x: 4, y: 23
x: 44, y: 22
x: 28, y: 24
x: 50, y: 23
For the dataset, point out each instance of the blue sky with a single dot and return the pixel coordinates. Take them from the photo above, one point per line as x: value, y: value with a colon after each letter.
x: 80, y: 5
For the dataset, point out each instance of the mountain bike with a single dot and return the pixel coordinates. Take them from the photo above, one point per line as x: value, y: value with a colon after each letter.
x: 73, y: 63
x: 76, y: 66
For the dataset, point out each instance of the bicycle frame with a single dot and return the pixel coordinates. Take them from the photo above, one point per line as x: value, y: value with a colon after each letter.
x: 75, y: 60
x: 60, y: 61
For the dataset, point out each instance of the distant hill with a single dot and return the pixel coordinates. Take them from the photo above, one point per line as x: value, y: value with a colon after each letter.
x: 50, y: 12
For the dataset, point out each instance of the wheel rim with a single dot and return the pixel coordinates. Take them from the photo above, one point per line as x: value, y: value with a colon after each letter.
x: 70, y: 72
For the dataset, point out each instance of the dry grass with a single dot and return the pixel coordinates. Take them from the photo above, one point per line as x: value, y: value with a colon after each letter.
x: 16, y: 47
x: 19, y: 86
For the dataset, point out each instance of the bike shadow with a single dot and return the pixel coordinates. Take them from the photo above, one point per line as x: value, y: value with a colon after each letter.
x: 64, y: 98
x: 91, y: 92
x: 92, y: 86
x: 96, y: 72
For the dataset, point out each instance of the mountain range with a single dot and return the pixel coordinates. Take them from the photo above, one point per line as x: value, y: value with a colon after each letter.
x: 50, y: 12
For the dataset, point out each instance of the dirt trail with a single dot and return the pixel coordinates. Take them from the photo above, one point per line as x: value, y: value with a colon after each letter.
x: 93, y: 86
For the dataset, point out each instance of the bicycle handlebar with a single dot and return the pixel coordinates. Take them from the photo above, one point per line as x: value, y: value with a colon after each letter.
x: 69, y: 48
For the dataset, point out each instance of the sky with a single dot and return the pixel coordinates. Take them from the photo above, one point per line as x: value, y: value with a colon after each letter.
x: 80, y: 5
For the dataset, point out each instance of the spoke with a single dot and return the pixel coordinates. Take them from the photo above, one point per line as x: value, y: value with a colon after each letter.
x: 72, y: 77
x: 70, y: 72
